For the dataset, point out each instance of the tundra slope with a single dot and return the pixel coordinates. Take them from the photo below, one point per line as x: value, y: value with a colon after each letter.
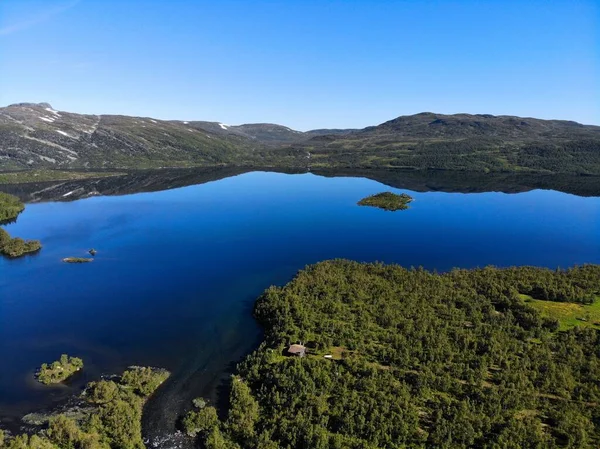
x: 34, y: 135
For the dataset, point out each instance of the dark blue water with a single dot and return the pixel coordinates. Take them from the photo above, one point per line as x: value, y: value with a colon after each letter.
x: 177, y: 271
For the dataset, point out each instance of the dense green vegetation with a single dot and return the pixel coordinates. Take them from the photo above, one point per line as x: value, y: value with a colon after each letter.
x: 424, y: 360
x: 59, y: 370
x: 387, y: 201
x: 114, y: 421
x: 17, y: 247
x: 473, y: 154
x: 10, y: 207
x: 202, y: 420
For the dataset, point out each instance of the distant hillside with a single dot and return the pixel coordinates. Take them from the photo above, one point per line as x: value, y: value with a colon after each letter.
x: 465, y: 142
x: 35, y: 135
x: 430, y: 125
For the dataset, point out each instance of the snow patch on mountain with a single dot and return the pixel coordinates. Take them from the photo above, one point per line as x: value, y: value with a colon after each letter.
x: 64, y: 134
x: 52, y: 111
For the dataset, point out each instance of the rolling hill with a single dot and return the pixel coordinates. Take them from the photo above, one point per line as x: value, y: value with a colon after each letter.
x: 35, y: 135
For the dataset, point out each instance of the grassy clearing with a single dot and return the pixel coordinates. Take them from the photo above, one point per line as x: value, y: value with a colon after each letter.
x: 21, y: 177
x: 568, y: 314
x: 333, y: 353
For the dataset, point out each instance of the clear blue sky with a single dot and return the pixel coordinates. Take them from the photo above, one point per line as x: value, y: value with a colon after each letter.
x: 303, y: 63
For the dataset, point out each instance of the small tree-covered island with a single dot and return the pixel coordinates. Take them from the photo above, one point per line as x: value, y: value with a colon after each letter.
x: 387, y: 201
x: 399, y: 358
x: 59, y: 370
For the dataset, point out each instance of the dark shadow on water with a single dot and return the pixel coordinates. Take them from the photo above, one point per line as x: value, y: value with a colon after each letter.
x: 205, y: 374
x: 137, y: 181
x: 223, y: 391
x: 454, y: 181
x: 9, y: 221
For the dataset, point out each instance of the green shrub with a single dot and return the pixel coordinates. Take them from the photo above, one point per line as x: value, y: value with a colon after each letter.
x: 201, y: 421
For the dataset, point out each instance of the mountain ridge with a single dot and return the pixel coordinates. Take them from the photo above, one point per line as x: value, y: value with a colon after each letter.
x: 35, y: 135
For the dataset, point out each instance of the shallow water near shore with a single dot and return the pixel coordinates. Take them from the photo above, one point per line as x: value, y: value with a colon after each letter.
x: 177, y: 271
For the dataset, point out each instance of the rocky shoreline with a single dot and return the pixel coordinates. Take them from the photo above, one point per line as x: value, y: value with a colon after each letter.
x: 79, y: 407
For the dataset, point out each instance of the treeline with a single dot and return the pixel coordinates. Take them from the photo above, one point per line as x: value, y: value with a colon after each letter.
x: 113, y: 423
x: 455, y: 360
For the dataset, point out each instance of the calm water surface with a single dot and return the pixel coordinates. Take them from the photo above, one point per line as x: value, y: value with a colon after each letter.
x: 177, y: 271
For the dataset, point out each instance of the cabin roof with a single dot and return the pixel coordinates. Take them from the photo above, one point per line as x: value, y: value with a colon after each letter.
x: 296, y: 349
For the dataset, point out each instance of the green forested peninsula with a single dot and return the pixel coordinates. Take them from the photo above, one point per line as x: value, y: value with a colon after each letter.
x: 418, y: 360
x: 17, y: 247
x: 10, y: 207
x: 113, y: 420
x: 387, y: 201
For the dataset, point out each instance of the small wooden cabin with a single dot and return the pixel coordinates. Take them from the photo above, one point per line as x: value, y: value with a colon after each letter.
x: 297, y: 350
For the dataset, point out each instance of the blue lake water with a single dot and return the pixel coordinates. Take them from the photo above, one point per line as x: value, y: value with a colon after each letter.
x: 177, y: 271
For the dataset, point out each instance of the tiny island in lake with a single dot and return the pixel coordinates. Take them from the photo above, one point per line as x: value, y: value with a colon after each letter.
x: 387, y: 201
x: 77, y: 259
x: 59, y: 370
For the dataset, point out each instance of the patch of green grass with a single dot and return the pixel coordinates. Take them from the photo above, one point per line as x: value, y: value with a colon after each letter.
x: 568, y: 314
x: 334, y: 353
